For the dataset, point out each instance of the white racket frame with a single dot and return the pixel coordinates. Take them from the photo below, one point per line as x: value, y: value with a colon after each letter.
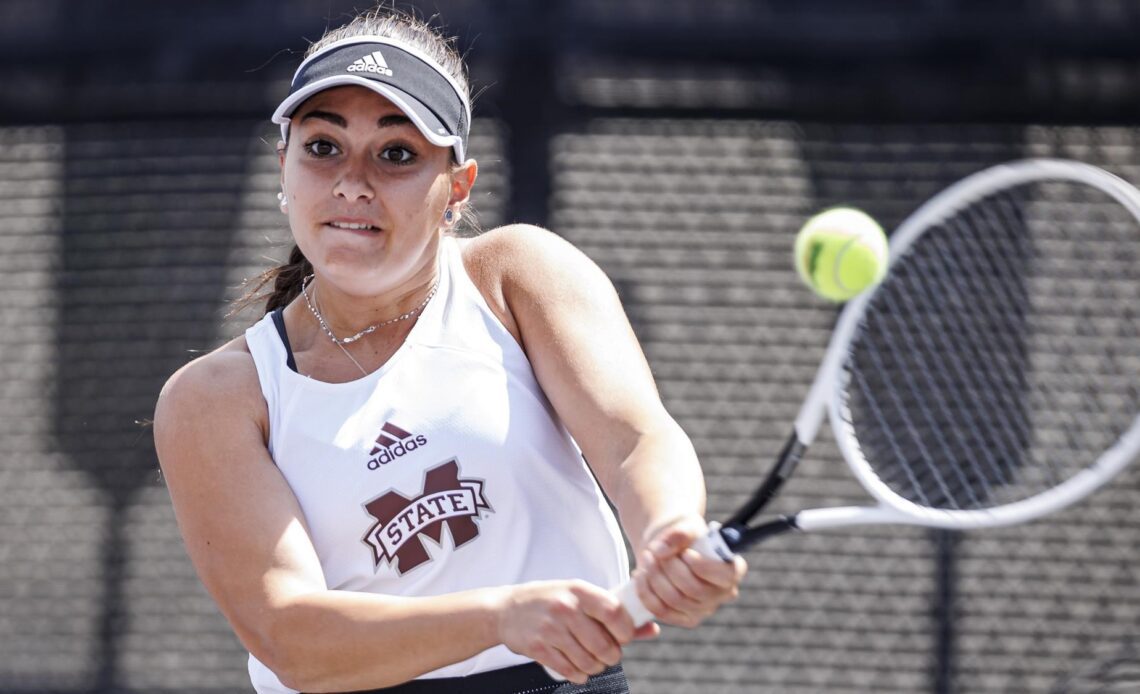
x: 827, y: 394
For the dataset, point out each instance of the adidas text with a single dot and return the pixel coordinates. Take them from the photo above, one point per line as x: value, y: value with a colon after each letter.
x: 361, y: 67
x: 400, y: 448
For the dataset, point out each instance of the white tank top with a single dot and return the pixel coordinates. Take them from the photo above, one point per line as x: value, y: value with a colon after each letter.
x: 445, y: 470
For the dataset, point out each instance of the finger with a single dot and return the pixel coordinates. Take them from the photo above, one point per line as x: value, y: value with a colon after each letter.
x: 741, y: 568
x: 671, y: 595
x: 647, y: 590
x: 556, y: 660
x: 649, y: 630
x: 673, y: 538
x: 581, y: 660
x: 607, y: 610
x: 682, y: 574
x: 648, y: 598
x: 721, y: 575
x: 598, y: 642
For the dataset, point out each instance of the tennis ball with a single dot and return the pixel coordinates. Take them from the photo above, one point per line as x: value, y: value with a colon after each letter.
x: 841, y: 252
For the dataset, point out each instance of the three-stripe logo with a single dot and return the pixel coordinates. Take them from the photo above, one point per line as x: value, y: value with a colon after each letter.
x: 392, y: 443
x: 373, y: 62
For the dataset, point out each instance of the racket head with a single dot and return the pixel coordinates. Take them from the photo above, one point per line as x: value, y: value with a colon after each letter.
x: 946, y: 391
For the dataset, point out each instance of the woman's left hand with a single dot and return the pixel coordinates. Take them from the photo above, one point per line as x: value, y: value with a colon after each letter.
x: 676, y: 583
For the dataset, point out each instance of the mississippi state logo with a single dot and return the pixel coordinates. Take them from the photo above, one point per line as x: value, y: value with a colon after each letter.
x: 396, y: 538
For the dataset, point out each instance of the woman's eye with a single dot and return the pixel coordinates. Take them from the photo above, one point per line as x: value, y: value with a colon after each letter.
x: 322, y: 148
x: 398, y: 155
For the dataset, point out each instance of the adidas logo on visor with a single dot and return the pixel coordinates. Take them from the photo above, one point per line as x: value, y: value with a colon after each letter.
x: 373, y: 62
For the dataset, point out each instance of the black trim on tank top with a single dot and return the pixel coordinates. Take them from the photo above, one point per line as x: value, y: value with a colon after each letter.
x: 279, y: 322
x: 529, y: 678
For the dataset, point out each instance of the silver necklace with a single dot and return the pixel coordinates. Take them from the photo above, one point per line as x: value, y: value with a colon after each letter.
x: 341, y: 342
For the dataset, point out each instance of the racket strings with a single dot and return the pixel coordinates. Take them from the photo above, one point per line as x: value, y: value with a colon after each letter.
x: 974, y: 371
x: 932, y: 355
x: 928, y: 474
x: 1000, y: 357
x: 1002, y: 367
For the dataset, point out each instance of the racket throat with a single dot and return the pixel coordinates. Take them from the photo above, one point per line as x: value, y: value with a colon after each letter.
x: 785, y: 465
x: 740, y: 537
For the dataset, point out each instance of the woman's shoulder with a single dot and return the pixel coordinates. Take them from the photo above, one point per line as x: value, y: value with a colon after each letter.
x: 517, y: 254
x: 511, y: 240
x: 514, y: 258
x: 528, y: 258
x: 525, y: 271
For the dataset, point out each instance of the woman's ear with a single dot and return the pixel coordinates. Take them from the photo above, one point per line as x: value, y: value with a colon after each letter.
x: 462, y: 180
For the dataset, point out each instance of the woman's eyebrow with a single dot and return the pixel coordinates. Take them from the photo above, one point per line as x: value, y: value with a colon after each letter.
x: 395, y: 119
x: 326, y: 116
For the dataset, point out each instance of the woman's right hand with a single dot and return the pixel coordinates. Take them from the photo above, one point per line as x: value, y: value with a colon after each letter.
x: 572, y: 627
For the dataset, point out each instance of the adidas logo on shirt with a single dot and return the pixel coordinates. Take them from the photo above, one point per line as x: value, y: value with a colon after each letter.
x: 392, y: 443
x: 373, y: 62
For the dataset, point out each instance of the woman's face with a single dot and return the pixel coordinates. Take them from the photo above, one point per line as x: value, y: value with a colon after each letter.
x: 366, y: 191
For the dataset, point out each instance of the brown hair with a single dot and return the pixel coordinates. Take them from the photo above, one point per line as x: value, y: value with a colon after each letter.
x: 280, y: 285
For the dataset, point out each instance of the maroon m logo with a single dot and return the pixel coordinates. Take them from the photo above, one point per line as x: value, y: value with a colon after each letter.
x: 446, y: 499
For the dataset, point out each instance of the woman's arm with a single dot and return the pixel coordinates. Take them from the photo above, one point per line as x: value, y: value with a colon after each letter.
x: 246, y: 536
x: 569, y: 320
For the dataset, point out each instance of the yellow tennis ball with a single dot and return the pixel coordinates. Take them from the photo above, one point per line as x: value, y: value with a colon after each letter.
x: 841, y: 252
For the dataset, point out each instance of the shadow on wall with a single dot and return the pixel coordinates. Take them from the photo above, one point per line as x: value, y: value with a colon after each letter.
x: 148, y: 220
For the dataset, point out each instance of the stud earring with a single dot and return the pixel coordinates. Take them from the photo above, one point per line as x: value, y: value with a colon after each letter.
x: 281, y: 201
x: 449, y: 216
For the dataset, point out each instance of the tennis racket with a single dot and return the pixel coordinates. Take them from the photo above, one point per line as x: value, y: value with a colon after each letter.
x: 993, y: 377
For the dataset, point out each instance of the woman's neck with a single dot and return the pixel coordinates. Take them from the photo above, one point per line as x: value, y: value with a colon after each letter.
x: 348, y: 317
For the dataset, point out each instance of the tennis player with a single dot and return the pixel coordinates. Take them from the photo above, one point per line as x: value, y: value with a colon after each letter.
x: 391, y: 476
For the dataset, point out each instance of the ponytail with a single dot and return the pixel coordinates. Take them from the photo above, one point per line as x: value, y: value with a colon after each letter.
x: 286, y: 281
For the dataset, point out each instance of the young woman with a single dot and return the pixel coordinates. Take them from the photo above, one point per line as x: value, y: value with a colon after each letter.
x: 385, y: 478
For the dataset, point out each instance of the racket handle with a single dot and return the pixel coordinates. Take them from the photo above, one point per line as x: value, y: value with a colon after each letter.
x: 627, y: 594
x: 711, y: 545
